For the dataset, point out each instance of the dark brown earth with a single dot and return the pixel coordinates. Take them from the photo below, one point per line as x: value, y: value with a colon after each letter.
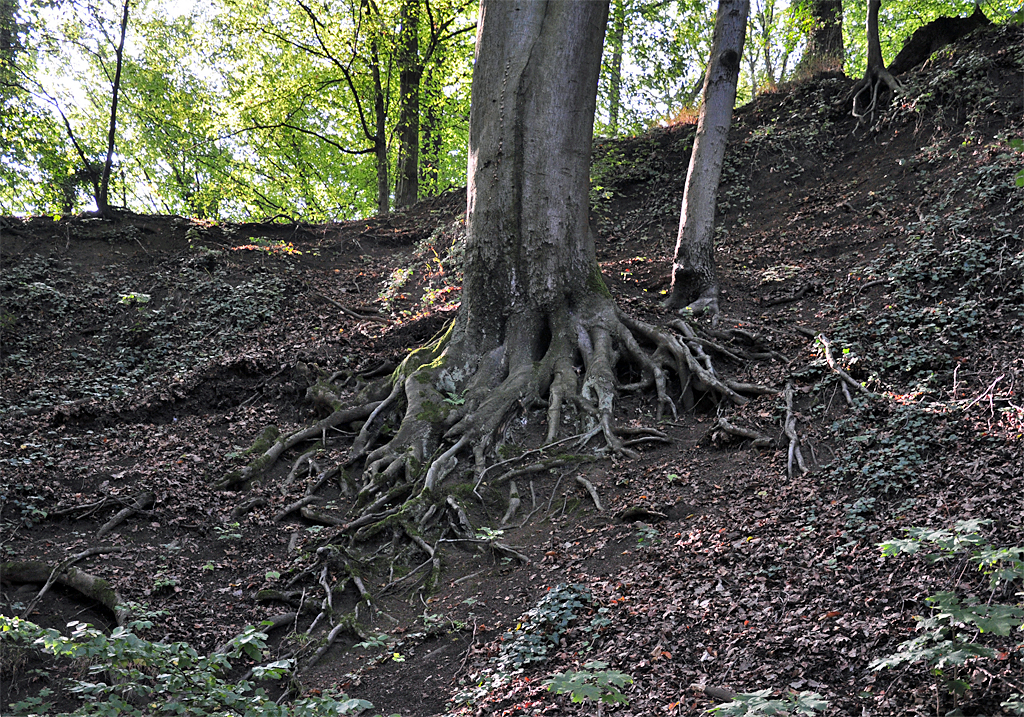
x: 711, y: 564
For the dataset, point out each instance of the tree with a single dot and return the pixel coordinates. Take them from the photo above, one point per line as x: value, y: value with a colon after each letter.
x: 412, y: 63
x: 694, y: 280
x: 824, y: 51
x: 865, y: 92
x: 537, y: 333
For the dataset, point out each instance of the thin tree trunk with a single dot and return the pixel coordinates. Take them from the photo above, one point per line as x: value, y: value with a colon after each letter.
x: 380, y: 138
x: 694, y: 281
x: 616, y: 36
x: 410, y: 73
x: 102, y: 196
x: 432, y: 141
x: 866, y: 92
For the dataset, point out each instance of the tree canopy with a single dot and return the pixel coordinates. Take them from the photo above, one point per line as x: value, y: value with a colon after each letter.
x: 316, y: 110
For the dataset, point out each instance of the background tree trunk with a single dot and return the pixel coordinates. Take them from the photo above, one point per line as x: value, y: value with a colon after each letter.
x: 865, y: 92
x: 616, y: 36
x: 103, y: 189
x: 825, y: 51
x: 407, y: 187
x: 694, y: 282
x: 380, y: 137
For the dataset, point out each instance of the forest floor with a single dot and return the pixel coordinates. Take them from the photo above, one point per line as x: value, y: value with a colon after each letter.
x: 146, y: 354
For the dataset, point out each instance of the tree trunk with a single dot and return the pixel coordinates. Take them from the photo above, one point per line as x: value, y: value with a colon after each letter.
x: 529, y: 249
x: 825, y: 51
x: 865, y: 92
x: 103, y: 190
x: 407, y: 187
x: 694, y: 282
x: 380, y: 137
x: 616, y: 36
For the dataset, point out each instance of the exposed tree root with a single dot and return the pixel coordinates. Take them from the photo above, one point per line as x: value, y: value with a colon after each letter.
x: 865, y: 95
x: 458, y: 407
x: 794, y: 439
x: 847, y: 379
x: 758, y: 440
x: 86, y: 584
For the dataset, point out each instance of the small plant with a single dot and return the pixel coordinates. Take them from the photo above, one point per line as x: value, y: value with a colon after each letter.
x: 228, y: 531
x: 593, y: 683
x: 646, y: 534
x: 167, y: 678
x: 948, y: 638
x: 489, y: 534
x: 134, y: 298
x: 374, y: 642
x: 757, y: 703
x: 1018, y: 144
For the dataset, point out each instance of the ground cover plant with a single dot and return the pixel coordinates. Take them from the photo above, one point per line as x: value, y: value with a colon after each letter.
x: 872, y: 280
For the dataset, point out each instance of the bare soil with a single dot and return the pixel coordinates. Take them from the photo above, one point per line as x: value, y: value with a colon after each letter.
x: 149, y: 352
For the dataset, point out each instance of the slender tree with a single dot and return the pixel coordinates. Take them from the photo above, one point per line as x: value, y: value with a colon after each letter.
x: 410, y: 73
x: 876, y: 78
x: 694, y: 279
x: 103, y: 189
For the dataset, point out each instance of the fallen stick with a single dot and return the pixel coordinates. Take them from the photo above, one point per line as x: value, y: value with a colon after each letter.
x: 142, y: 502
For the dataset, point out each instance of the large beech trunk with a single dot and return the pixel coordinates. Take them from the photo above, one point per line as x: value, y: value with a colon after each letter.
x: 529, y: 248
x: 694, y: 281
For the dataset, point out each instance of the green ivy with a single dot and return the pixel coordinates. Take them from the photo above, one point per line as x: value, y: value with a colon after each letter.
x: 128, y: 675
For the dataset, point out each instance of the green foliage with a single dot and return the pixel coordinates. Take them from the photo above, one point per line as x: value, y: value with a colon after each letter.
x: 646, y: 534
x: 228, y: 531
x: 757, y: 703
x: 128, y: 675
x: 593, y: 683
x: 886, y: 448
x: 899, y: 19
x: 1018, y: 144
x: 947, y: 639
x: 542, y: 626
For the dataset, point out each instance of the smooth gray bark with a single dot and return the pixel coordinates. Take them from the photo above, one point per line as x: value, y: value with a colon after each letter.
x: 529, y: 249
x: 694, y: 282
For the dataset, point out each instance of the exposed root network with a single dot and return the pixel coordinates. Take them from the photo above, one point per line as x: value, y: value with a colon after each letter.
x: 451, y: 408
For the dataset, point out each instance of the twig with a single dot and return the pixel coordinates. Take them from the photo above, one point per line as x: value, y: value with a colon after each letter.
x: 521, y: 456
